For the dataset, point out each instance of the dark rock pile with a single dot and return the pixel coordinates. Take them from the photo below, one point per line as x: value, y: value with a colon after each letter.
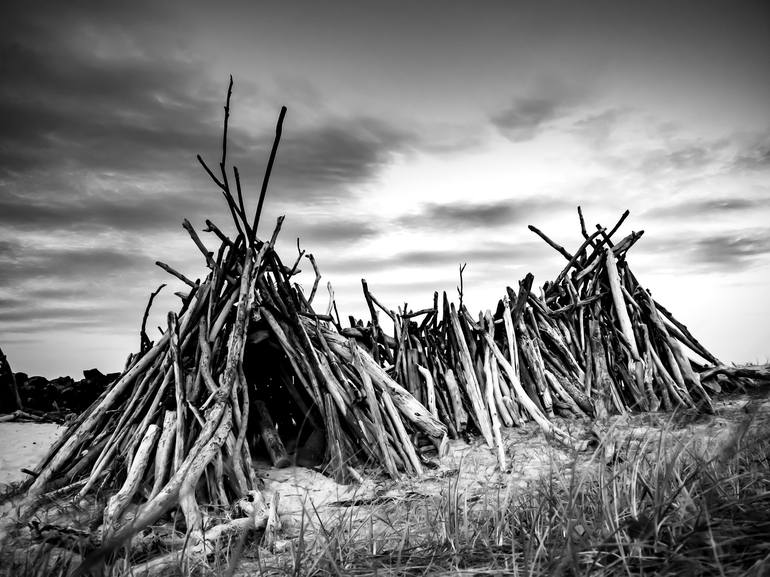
x: 62, y: 394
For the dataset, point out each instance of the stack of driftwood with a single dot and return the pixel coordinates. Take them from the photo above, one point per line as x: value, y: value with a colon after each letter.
x: 249, y: 366
x: 594, y: 342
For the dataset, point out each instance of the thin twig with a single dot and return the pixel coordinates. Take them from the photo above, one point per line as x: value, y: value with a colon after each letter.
x: 460, y: 288
x: 145, y: 340
x: 268, y: 170
x: 311, y: 258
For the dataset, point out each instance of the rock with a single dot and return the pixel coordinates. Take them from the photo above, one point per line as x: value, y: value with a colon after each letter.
x: 38, y: 394
x: 64, y: 393
x: 9, y: 395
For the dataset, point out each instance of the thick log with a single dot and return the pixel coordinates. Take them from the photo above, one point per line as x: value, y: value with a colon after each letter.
x: 403, y: 441
x: 179, y: 390
x: 497, y: 391
x: 691, y: 378
x: 492, y: 406
x: 601, y: 382
x: 672, y: 389
x: 374, y: 411
x: 117, y: 503
x: 473, y: 389
x: 636, y: 366
x: 461, y: 417
x: 275, y: 448
x: 163, y: 452
x: 754, y: 372
x: 335, y: 459
x: 530, y: 351
x: 430, y: 390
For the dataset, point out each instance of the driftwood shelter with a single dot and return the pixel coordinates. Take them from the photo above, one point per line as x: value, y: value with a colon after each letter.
x: 250, y: 365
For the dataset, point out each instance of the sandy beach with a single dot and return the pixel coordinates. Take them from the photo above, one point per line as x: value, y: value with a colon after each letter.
x: 23, y: 445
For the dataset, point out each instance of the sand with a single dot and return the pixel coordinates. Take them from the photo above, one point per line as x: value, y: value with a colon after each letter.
x: 23, y: 445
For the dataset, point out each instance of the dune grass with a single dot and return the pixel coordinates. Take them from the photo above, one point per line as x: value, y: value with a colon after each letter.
x: 650, y: 506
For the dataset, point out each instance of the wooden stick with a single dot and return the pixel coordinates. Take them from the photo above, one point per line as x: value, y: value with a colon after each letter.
x: 430, y: 389
x: 176, y: 360
x: 207, y: 254
x: 75, y: 438
x: 472, y: 385
x: 311, y: 258
x: 547, y: 426
x: 620, y: 306
x: 576, y: 257
x: 754, y: 372
x: 377, y: 331
x: 405, y: 442
x: 558, y: 248
x: 275, y: 448
x: 175, y: 273
x: 117, y: 503
x: 461, y: 417
x: 145, y: 342
x: 492, y: 407
x: 412, y: 409
x: 374, y: 411
x: 163, y: 452
x: 268, y: 171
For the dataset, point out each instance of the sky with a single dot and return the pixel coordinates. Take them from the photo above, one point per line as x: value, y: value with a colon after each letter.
x: 419, y: 136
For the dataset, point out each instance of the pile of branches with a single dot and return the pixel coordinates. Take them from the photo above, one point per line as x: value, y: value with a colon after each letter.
x: 177, y: 429
x: 593, y: 343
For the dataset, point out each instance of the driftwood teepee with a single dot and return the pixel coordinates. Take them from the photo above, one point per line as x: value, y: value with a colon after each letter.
x: 249, y: 365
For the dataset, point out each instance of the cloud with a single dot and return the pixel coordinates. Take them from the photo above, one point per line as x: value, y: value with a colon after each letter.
x: 525, y: 117
x: 732, y: 251
x: 451, y: 257
x: 755, y: 155
x: 325, y: 162
x: 118, y: 205
x: 71, y: 108
x: 530, y: 114
x: 19, y: 263
x: 33, y: 316
x: 686, y: 156
x: 112, y: 110
x: 706, y: 208
x: 336, y: 231
x: 597, y: 129
x: 722, y: 252
x: 483, y: 215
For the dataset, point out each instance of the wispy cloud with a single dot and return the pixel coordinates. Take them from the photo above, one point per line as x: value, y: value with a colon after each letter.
x: 531, y: 113
x: 707, y: 208
x: 723, y: 252
x: 491, y: 252
x: 598, y: 128
x: 323, y: 163
x: 336, y: 230
x: 732, y: 251
x: 493, y: 214
x: 525, y: 117
x: 755, y: 155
